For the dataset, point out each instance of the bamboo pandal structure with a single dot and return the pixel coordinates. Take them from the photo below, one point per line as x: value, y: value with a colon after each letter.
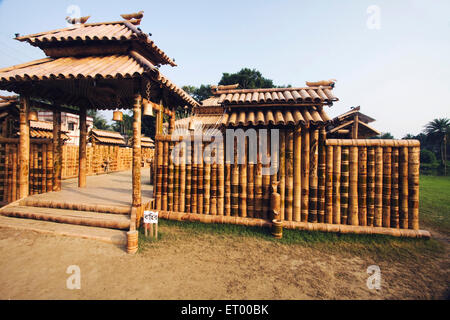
x: 353, y: 178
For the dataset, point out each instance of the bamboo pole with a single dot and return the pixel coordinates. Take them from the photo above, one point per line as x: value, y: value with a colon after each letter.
x: 258, y: 187
x: 305, y: 165
x: 136, y: 169
x: 49, y: 168
x: 298, y: 193
x: 395, y: 223
x: 159, y: 174
x: 220, y: 181
x: 182, y: 207
x: 313, y: 175
x: 227, y: 194
x: 329, y: 185
x: 200, y: 191
x: 188, y: 176
x: 353, y: 188
x: 57, y: 151
x: 14, y: 174
x: 176, y: 184
x: 370, y: 186
x: 213, y: 206
x: 235, y: 183
x: 24, y: 147
x: 8, y: 177
x: 35, y: 168
x: 44, y: 169
x: 413, y: 183
x: 243, y: 182
x: 289, y: 175
x: 337, y: 185
x: 378, y: 187
x: 387, y: 161
x: 31, y: 170
x: 403, y: 215
x: 282, y: 173
x: 170, y: 181
x: 207, y: 185
x: 165, y: 176
x: 194, y: 178
x: 322, y: 175
x: 82, y: 149
x: 266, y: 183
x: 362, y: 186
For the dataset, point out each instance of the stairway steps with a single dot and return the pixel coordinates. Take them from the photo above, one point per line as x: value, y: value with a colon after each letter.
x: 74, y: 217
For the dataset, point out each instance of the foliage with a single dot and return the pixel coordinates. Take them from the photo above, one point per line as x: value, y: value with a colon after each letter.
x: 247, y: 79
x: 99, y: 121
x: 384, y: 135
x: 426, y: 156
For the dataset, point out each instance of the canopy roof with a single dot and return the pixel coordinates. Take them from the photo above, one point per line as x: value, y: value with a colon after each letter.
x: 106, y: 137
x: 351, y: 115
x: 98, y: 66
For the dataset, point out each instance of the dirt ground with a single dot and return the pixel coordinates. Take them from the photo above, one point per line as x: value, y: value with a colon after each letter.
x: 205, y: 266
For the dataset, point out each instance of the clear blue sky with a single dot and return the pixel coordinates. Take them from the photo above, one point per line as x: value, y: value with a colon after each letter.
x: 399, y: 73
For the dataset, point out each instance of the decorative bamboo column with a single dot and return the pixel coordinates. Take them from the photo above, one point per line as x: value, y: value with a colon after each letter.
x: 200, y: 191
x: 159, y: 173
x: 266, y: 182
x: 31, y: 170
x: 413, y: 183
x: 353, y: 190
x: 220, y: 181
x: 337, y: 185
x: 228, y: 173
x: 298, y: 198
x: 258, y: 188
x: 82, y: 149
x: 250, y: 188
x: 329, y: 185
x: 213, y: 206
x: 188, y: 175
x: 378, y: 187
x: 282, y: 173
x: 235, y: 184
x: 136, y: 168
x: 243, y: 183
x: 207, y: 185
x: 176, y: 183
x: 313, y: 176
x: 14, y: 174
x: 57, y: 151
x: 44, y: 169
x: 165, y: 176
x: 288, y: 211
x: 322, y: 172
x: 362, y: 186
x: 24, y: 147
x: 394, y: 199
x: 305, y: 152
x: 182, y: 196
x: 387, y: 154
x: 403, y: 216
x: 370, y: 186
x: 170, y: 178
x: 35, y: 168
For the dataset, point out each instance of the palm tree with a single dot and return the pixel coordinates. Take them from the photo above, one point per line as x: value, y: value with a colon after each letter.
x: 439, y: 129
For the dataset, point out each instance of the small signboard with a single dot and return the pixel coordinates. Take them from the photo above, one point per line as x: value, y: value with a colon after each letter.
x: 151, y: 217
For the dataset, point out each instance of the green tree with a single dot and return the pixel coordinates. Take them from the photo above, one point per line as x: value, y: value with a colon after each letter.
x: 247, y: 79
x: 99, y: 121
x: 438, y: 130
x: 384, y: 135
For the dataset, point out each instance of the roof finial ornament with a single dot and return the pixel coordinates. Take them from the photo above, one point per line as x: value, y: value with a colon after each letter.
x: 325, y: 83
x: 81, y: 20
x: 135, y: 18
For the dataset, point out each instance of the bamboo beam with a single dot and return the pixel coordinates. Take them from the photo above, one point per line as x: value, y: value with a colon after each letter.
x: 299, y: 176
x: 136, y: 167
x: 413, y: 183
x: 57, y: 151
x: 353, y: 188
x: 82, y: 149
x: 322, y: 175
x: 24, y: 147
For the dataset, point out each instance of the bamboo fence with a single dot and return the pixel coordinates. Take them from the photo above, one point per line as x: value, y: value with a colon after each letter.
x: 365, y: 183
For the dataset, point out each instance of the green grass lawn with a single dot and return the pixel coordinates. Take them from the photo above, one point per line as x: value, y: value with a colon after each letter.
x: 435, y: 203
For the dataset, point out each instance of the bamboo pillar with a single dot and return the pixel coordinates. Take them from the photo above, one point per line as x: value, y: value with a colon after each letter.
x: 31, y: 170
x: 395, y: 196
x: 288, y: 211
x: 282, y: 173
x: 136, y: 168
x: 170, y: 179
x: 44, y: 169
x: 329, y: 185
x: 213, y: 206
x: 200, y: 191
x: 299, y: 175
x: 182, y: 207
x: 322, y: 175
x: 57, y: 151
x: 413, y: 183
x: 258, y: 186
x: 266, y: 182
x: 220, y: 181
x: 235, y: 183
x: 353, y: 188
x: 188, y: 176
x: 305, y: 165
x: 159, y: 173
x: 227, y: 184
x: 403, y: 215
x: 337, y: 185
x: 24, y: 147
x: 82, y: 149
x: 35, y: 168
x: 362, y: 186
x: 387, y: 160
x: 49, y: 168
x: 14, y: 174
x: 243, y: 183
x: 176, y: 184
x: 370, y: 186
x: 378, y: 187
x: 7, y: 183
x: 165, y: 176
x: 207, y: 185
x: 313, y: 176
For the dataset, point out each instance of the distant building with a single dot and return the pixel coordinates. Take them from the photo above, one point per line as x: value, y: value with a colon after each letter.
x: 70, y: 124
x: 352, y: 125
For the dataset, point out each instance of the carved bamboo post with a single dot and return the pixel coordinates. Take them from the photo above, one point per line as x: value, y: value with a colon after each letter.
x: 403, y: 216
x: 413, y: 183
x: 183, y: 178
x: 243, y: 183
x: 322, y: 177
x: 353, y: 190
x: 305, y: 152
x: 387, y: 155
x: 220, y: 181
x: 170, y: 179
x: 395, y: 195
x: 24, y: 147
x: 370, y: 186
x: 57, y: 151
x: 136, y: 168
x: 329, y: 185
x: 288, y: 211
x: 298, y: 198
x: 82, y: 149
x: 313, y: 176
x: 362, y: 186
x: 378, y: 187
x: 282, y: 173
x: 337, y: 185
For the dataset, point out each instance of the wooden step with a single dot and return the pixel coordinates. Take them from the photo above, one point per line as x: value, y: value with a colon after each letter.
x: 85, y: 218
x: 56, y: 204
x: 116, y: 237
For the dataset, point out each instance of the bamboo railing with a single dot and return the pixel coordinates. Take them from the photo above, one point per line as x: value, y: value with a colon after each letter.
x: 365, y: 183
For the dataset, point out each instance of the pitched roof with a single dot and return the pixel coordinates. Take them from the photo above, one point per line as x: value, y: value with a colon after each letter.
x: 305, y: 95
x: 103, y: 31
x: 107, y: 137
x: 351, y: 113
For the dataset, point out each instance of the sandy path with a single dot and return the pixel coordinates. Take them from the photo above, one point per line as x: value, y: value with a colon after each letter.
x: 205, y: 266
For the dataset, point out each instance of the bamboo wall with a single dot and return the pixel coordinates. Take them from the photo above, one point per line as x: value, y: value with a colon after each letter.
x: 41, y: 165
x: 371, y: 183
